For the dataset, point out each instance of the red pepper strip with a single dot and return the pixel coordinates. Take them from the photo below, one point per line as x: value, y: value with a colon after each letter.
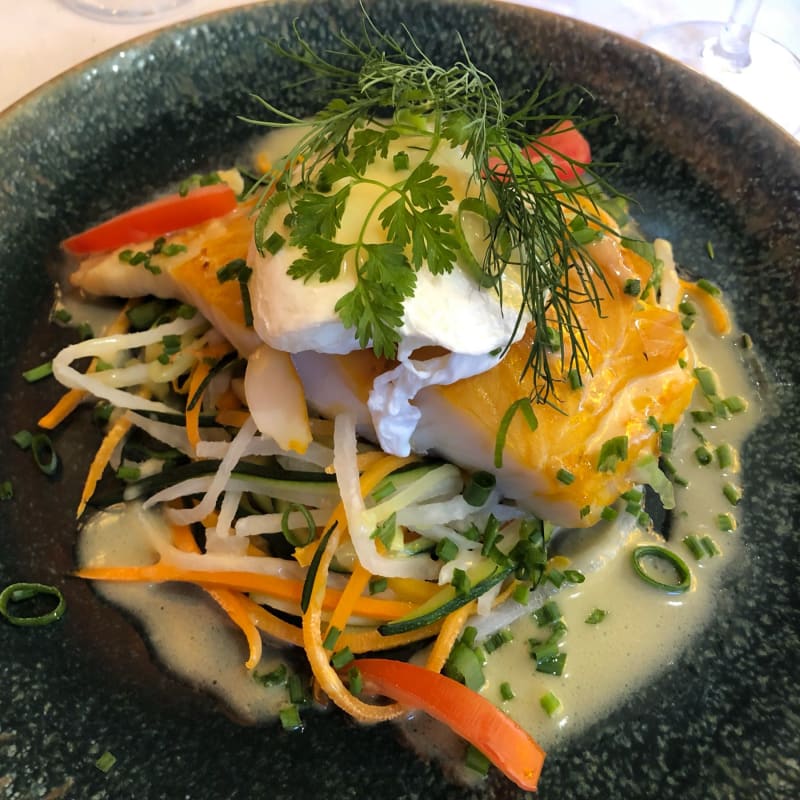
x: 154, y: 219
x: 565, y: 147
x: 466, y: 713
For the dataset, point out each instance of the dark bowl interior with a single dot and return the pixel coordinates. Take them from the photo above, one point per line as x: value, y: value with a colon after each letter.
x: 721, y: 722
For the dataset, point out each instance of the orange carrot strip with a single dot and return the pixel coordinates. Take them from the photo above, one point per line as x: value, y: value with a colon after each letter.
x: 270, y: 585
x: 272, y: 625
x: 713, y: 308
x: 199, y: 374
x: 368, y: 640
x: 447, y: 636
x: 352, y: 591
x: 232, y: 417
x: 101, y: 459
x: 413, y: 589
x: 72, y: 399
x: 326, y: 676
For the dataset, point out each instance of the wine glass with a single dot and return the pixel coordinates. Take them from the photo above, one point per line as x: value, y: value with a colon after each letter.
x: 757, y: 68
x: 123, y: 10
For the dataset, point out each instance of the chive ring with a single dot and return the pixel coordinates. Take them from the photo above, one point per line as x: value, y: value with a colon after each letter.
x: 44, y: 453
x: 18, y: 592
x: 676, y: 562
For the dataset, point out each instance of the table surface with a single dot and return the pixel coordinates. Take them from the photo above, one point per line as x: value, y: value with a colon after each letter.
x: 39, y: 39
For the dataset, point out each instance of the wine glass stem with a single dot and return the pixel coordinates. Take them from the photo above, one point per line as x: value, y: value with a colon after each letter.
x: 734, y: 39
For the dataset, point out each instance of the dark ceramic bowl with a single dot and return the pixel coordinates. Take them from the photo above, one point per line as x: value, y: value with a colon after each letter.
x: 724, y: 719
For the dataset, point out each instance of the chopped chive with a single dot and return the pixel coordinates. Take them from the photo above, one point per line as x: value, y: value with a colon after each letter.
x: 710, y: 249
x: 385, y: 532
x: 522, y: 593
x: 703, y: 455
x: 106, y: 761
x: 556, y: 577
x: 596, y: 616
x: 667, y: 436
x: 687, y: 308
x: 231, y: 270
x: 725, y: 522
x: 62, y: 315
x: 490, y: 535
x: 682, y: 572
x: 290, y: 718
x: 735, y: 404
x: 506, y: 692
x: 476, y: 761
x: 400, y: 161
x: 702, y: 416
x: 732, y: 493
x: 275, y: 677
x: 574, y: 378
x: 6, y: 490
x: 19, y: 592
x: 297, y: 690
x: 550, y: 703
x: 469, y: 635
x: 85, y: 331
x: 654, y: 423
x: 552, y: 666
x: 609, y: 513
x: 632, y: 287
x: 644, y: 520
x: 671, y: 472
x: 709, y: 287
x: 446, y: 549
x: 547, y: 613
x: 331, y: 638
x: 44, y: 454
x: 129, y: 473
x: 498, y: 639
x: 378, y: 585
x: 37, y: 373
x: 185, y: 311
x: 692, y: 542
x: 707, y: 380
x: 525, y: 407
x: 574, y: 576
x: 355, y: 682
x: 22, y: 439
x: 746, y: 342
x: 173, y: 248
x: 274, y: 243
x: 632, y: 495
x: 725, y: 455
x: 460, y: 581
x: 144, y: 315
x: 683, y: 363
x: 464, y: 665
x: 342, y: 658
x: 585, y: 511
x: 687, y: 323
x: 565, y: 476
x: 611, y: 453
x: 479, y: 486
x: 710, y: 546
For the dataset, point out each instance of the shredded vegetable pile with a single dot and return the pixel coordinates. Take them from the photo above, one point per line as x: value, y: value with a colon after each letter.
x: 280, y: 501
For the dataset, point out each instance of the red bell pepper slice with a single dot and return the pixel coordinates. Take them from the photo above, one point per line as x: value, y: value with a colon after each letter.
x: 154, y: 219
x: 470, y: 715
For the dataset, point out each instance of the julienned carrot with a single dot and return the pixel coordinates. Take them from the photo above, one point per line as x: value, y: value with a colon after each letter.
x: 465, y: 712
x: 326, y: 676
x: 273, y: 625
x: 448, y: 634
x: 359, y: 578
x: 712, y: 307
x: 270, y: 585
x: 72, y: 399
x: 103, y: 455
x: 368, y: 640
x: 199, y: 374
x: 232, y: 603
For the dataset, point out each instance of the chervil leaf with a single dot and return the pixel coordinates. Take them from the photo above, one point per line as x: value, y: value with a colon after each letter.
x: 368, y: 143
x: 432, y: 241
x: 322, y: 258
x: 427, y: 187
x: 396, y: 220
x: 318, y: 215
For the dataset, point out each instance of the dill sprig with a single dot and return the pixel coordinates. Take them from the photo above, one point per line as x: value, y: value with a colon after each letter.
x: 378, y: 90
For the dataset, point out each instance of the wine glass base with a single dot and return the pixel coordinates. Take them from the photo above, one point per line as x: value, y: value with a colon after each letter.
x: 123, y: 10
x: 769, y: 82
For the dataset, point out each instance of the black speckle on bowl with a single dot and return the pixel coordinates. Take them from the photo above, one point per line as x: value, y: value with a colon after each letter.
x: 722, y: 722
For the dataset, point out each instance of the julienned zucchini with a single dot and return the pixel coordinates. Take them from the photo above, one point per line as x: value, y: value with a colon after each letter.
x: 482, y: 577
